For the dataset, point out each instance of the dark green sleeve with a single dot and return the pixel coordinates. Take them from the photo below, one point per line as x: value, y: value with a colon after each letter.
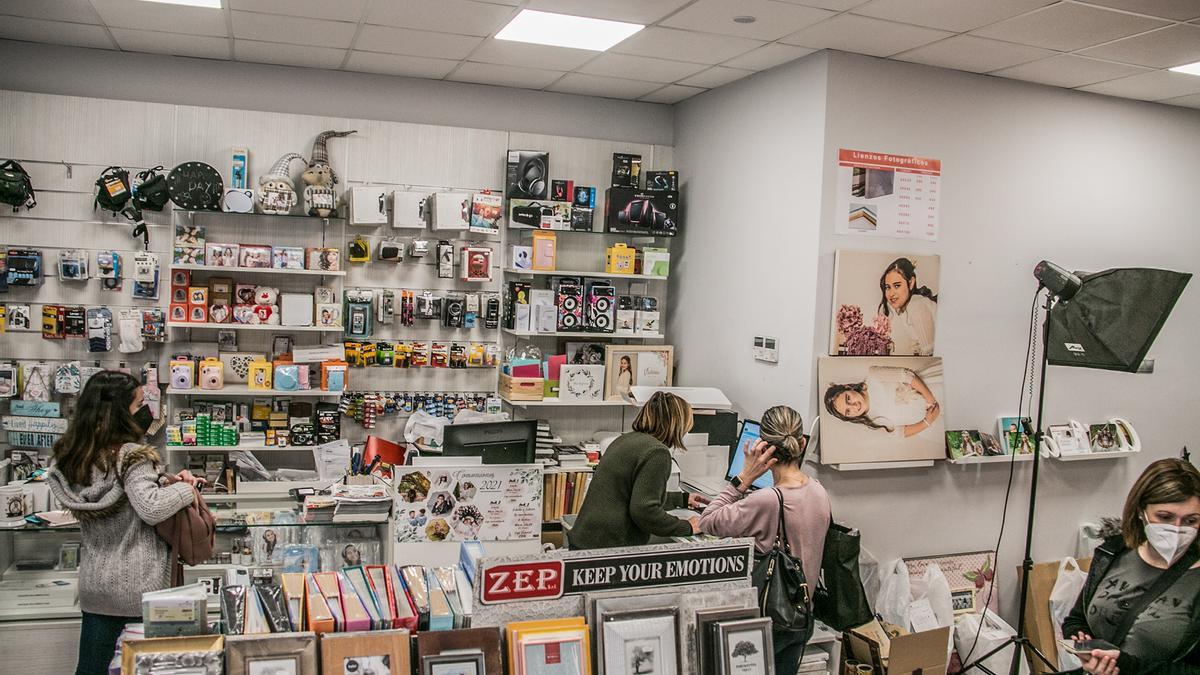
x: 646, y: 500
x: 676, y: 500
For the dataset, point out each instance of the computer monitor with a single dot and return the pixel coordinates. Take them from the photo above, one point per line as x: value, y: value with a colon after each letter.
x: 495, y: 442
x: 737, y: 459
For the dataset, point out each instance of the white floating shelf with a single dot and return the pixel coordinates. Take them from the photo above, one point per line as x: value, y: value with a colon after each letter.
x: 576, y: 273
x: 877, y: 466
x: 245, y: 390
x: 552, y: 402
x: 1095, y: 455
x: 993, y: 459
x: 235, y: 448
x: 251, y: 326
x: 599, y: 336
x: 256, y: 270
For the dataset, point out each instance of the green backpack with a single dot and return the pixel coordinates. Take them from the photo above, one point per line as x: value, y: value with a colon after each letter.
x: 16, y: 189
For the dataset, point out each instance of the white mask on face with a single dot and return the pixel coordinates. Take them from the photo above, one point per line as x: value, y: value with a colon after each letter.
x: 1171, y: 541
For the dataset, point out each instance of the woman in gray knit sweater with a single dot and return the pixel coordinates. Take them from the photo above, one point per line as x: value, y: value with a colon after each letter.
x: 104, y: 476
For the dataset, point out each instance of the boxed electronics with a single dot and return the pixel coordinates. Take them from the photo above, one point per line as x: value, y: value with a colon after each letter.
x: 895, y: 651
x: 527, y: 175
x: 662, y: 180
x: 627, y: 170
x: 450, y: 210
x: 655, y: 262
x: 539, y: 214
x: 408, y: 209
x: 633, y: 211
x: 368, y: 205
x: 626, y: 316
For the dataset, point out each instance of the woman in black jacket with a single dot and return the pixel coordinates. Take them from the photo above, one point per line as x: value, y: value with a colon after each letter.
x: 1154, y: 624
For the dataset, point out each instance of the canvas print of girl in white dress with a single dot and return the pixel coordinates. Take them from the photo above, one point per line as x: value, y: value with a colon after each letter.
x: 881, y: 409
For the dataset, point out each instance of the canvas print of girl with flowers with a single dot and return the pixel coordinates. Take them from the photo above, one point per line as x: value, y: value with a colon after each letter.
x: 884, y: 304
x: 881, y: 409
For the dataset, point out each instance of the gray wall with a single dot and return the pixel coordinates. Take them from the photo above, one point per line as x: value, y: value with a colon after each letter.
x: 249, y: 86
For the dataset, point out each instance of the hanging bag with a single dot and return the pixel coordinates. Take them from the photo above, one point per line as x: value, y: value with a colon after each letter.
x: 150, y: 193
x: 112, y: 189
x: 782, y: 588
x: 16, y: 188
x: 839, y: 599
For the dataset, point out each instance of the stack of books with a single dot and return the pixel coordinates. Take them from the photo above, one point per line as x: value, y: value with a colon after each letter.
x: 546, y: 440
x: 563, y: 492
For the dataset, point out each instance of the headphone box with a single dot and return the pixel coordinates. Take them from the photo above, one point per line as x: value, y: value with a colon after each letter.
x: 368, y: 204
x: 450, y: 210
x: 527, y: 174
x: 409, y: 209
x: 633, y: 211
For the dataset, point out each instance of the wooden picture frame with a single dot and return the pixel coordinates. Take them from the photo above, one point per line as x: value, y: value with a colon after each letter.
x: 483, y: 640
x: 627, y: 366
x: 271, y: 654
x: 745, y: 646
x: 639, y: 642
x: 351, y: 653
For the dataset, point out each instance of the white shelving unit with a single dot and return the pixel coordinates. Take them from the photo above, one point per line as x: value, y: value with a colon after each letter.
x: 995, y: 459
x: 875, y: 466
x: 577, y: 273
x: 1116, y: 454
x: 590, y: 336
x: 255, y: 270
x: 245, y: 390
x: 278, y: 328
x: 556, y: 403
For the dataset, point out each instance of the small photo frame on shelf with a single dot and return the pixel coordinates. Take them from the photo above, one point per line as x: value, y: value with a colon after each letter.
x: 454, y: 663
x: 382, y: 651
x: 628, y: 366
x: 1012, y: 434
x: 707, y: 656
x: 745, y: 646
x: 962, y: 601
x: 964, y: 443
x: 639, y: 642
x: 278, y: 654
x: 1104, y: 437
x: 1068, y: 439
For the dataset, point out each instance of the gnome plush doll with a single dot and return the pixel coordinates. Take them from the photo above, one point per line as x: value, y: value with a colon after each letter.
x: 276, y: 196
x: 319, y: 178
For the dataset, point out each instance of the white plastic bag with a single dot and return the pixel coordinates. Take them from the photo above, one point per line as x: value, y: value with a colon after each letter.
x: 1067, y: 586
x: 995, y: 631
x: 933, y: 587
x: 425, y: 428
x: 895, y: 594
x: 868, y: 570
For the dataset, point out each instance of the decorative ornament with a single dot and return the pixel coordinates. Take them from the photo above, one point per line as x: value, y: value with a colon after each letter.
x: 195, y: 186
x: 276, y: 196
x: 319, y: 177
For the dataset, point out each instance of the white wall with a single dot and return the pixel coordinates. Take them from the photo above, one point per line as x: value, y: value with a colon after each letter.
x: 252, y: 86
x: 749, y: 155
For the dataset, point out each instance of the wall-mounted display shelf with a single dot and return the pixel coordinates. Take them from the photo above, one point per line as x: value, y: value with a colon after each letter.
x: 576, y: 273
x: 993, y: 459
x: 245, y: 390
x: 1095, y: 455
x: 876, y: 466
x: 256, y: 270
x: 590, y: 336
x: 236, y: 448
x: 554, y: 402
x: 256, y: 326
x: 290, y: 216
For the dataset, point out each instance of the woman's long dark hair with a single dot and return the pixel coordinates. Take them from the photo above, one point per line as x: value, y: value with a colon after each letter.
x: 101, y: 424
x: 908, y: 270
x: 836, y: 390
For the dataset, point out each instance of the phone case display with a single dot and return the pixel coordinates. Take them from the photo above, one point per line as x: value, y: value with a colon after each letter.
x: 485, y: 503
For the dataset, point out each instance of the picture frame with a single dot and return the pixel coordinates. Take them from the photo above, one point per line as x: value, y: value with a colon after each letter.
x: 969, y: 573
x: 962, y: 601
x: 707, y: 661
x: 1013, y: 439
x: 964, y: 443
x: 746, y: 647
x: 627, y: 366
x: 884, y: 303
x: 1068, y: 440
x: 386, y: 652
x: 1104, y: 437
x: 454, y: 663
x: 641, y: 642
x: 271, y: 654
x: 484, y: 641
x: 560, y: 652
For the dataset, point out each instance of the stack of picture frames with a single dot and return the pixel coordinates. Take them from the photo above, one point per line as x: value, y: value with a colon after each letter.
x: 881, y: 388
x: 470, y: 651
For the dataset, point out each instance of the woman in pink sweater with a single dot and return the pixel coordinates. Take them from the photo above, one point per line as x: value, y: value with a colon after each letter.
x: 739, y: 513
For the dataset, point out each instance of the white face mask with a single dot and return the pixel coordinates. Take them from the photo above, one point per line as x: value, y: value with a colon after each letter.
x: 1171, y: 541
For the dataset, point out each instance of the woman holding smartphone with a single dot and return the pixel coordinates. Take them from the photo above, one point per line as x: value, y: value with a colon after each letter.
x: 1142, y: 594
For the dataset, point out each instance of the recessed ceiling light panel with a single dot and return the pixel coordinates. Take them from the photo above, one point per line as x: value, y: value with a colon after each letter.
x: 565, y: 30
x: 1190, y: 69
x: 210, y: 4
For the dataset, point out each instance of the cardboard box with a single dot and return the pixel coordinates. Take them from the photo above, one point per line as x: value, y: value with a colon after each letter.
x: 450, y: 210
x: 633, y: 211
x: 527, y: 174
x: 368, y: 204
x: 923, y: 652
x: 409, y: 209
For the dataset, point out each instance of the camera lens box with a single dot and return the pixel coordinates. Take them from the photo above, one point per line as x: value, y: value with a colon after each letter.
x: 632, y: 211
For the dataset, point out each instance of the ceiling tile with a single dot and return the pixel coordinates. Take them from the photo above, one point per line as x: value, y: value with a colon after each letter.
x: 640, y: 68
x: 631, y: 11
x: 342, y: 10
x: 445, y: 16
x: 668, y: 43
x: 864, y: 35
x: 175, y: 44
x: 526, y: 55
x: 504, y: 76
x: 715, y: 77
x: 768, y: 56
x: 415, y: 42
x: 973, y: 54
x: 1192, y: 101
x: 1179, y: 10
x: 1070, y: 71
x: 395, y: 64
x: 305, y: 56
x: 55, y: 32
x: 1067, y: 27
x: 609, y: 87
x: 773, y: 19
x: 157, y: 16
x: 953, y: 15
x: 835, y: 5
x: 1155, y: 85
x: 672, y: 93
x: 278, y: 28
x: 1173, y: 46
x: 78, y: 11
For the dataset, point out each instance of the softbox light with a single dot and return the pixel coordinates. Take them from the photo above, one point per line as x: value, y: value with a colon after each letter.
x: 1114, y: 318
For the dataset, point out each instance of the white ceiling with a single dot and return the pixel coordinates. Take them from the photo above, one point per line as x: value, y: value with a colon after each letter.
x: 1115, y: 47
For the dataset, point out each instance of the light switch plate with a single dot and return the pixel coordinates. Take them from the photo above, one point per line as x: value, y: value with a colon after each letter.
x: 766, y: 349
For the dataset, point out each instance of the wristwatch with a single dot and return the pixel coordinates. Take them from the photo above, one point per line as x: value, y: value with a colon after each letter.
x: 736, y: 482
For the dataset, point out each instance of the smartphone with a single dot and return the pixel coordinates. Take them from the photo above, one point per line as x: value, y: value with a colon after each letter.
x: 1086, y: 646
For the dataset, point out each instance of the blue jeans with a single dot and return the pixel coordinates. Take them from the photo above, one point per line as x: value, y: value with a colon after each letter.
x: 98, y: 641
x: 789, y: 649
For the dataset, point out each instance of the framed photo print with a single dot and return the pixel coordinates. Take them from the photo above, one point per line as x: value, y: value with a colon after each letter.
x: 884, y: 304
x: 745, y: 647
x: 279, y: 654
x: 1013, y: 436
x: 708, y: 657
x: 484, y: 642
x: 964, y: 443
x: 452, y: 663
x: 639, y: 643
x: 1104, y: 437
x: 628, y: 366
x: 382, y: 652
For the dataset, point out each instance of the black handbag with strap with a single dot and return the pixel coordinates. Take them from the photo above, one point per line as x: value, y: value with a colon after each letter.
x: 778, y: 576
x: 16, y: 188
x: 839, y: 599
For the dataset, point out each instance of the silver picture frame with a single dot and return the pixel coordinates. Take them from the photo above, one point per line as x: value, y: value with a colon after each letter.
x: 707, y: 656
x: 746, y: 647
x: 642, y: 642
x: 454, y: 663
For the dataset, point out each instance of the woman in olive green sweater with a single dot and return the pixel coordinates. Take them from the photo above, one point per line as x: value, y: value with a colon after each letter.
x: 626, y: 501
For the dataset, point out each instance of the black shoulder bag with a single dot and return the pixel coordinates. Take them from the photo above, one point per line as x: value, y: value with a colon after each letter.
x: 112, y: 189
x: 1160, y: 586
x: 16, y: 188
x: 782, y: 588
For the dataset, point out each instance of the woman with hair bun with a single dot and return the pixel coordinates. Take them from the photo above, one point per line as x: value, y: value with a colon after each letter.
x: 739, y: 513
